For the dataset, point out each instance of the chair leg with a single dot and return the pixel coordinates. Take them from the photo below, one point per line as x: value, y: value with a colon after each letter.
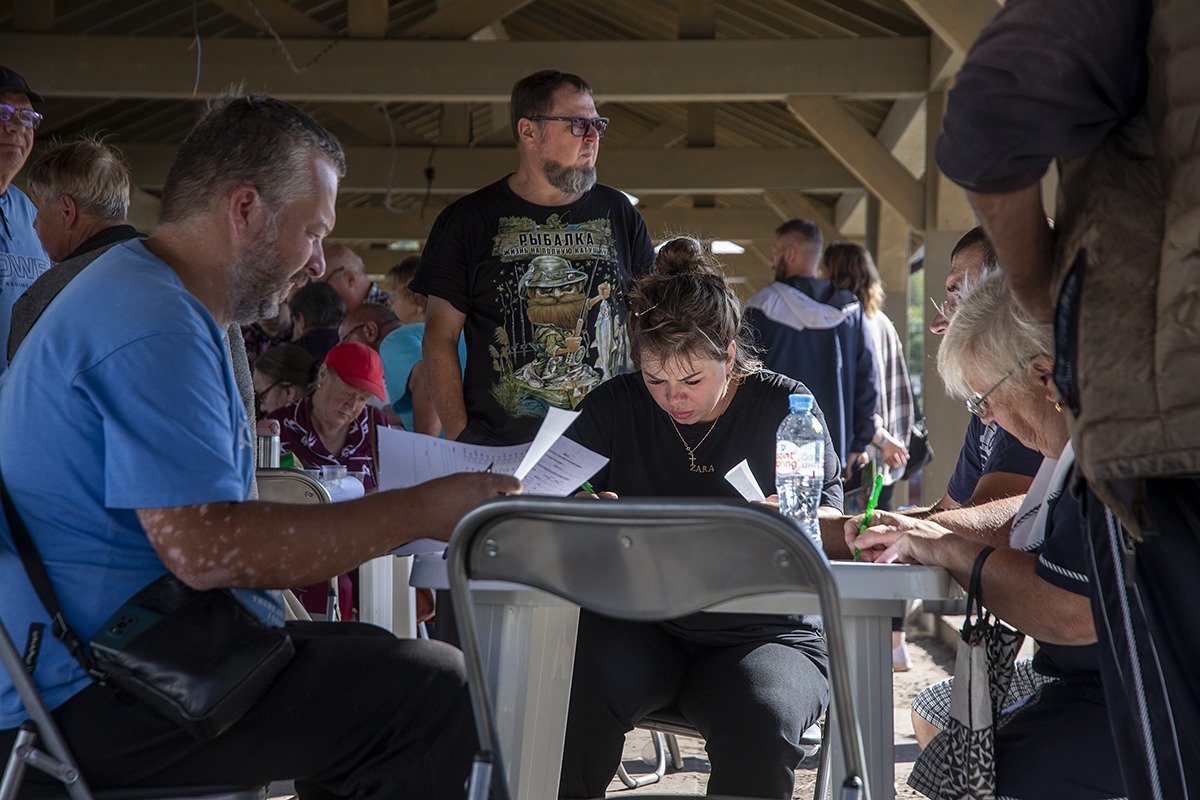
x: 333, y: 609
x: 479, y: 783
x: 15, y: 770
x: 660, y: 765
x: 824, y: 773
x: 673, y: 747
x: 26, y: 753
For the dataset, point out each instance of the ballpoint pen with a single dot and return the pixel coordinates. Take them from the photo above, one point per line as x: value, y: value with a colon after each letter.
x: 587, y: 487
x: 872, y: 501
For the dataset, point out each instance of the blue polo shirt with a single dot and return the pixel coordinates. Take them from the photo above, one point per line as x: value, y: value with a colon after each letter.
x: 122, y: 398
x: 989, y: 448
x: 22, y: 259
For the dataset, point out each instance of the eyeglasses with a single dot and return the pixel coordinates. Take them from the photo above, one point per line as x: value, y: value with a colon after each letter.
x: 27, y: 117
x: 947, y: 307
x: 258, y: 398
x: 977, y: 403
x: 579, y: 125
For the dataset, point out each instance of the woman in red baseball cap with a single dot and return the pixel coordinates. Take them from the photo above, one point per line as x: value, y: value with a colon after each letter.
x: 334, y: 425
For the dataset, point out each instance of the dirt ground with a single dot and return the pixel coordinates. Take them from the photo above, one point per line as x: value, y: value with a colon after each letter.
x: 932, y: 660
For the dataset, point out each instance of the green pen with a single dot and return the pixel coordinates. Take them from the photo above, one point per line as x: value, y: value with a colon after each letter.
x: 587, y: 487
x: 872, y: 501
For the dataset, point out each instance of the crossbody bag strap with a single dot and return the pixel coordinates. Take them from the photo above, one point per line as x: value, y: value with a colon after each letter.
x: 36, y: 569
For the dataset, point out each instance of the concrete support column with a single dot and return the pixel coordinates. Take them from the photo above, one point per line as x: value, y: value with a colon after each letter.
x: 946, y: 418
x: 889, y: 238
x: 948, y: 216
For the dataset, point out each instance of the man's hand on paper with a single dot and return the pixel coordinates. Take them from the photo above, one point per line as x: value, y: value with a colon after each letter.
x: 772, y: 501
x: 442, y: 502
x: 887, y: 528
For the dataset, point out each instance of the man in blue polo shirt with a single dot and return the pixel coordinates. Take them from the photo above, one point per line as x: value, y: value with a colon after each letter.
x: 22, y: 259
x: 992, y: 464
x: 127, y: 453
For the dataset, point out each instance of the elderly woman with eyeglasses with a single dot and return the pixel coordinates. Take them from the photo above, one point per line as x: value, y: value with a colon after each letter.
x: 1053, y: 739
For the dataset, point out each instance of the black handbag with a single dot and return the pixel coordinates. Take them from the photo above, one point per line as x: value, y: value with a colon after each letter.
x: 200, y: 659
x: 920, y: 451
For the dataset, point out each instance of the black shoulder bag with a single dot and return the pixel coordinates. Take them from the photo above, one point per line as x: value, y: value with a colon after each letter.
x: 200, y: 659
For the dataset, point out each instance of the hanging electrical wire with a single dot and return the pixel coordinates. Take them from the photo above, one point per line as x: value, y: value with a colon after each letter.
x: 283, y: 47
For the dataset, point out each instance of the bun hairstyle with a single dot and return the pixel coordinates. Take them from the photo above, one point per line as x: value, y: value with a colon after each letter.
x: 684, y: 310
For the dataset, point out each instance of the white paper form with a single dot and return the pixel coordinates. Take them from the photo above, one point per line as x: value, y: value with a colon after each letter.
x: 553, y: 427
x: 743, y: 480
x: 406, y: 459
x: 561, y: 469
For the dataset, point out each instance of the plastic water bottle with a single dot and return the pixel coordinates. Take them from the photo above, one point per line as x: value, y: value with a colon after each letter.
x: 800, y: 465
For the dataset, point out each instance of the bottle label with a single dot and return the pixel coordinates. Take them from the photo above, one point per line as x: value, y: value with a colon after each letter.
x: 799, y: 460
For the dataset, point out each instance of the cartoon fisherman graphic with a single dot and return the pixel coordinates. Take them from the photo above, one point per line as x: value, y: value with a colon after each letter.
x: 557, y: 304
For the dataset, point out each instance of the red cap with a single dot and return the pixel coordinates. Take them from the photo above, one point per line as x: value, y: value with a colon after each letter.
x: 359, y: 366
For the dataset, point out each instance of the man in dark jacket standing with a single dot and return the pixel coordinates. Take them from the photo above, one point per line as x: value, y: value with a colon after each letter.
x: 1109, y: 88
x: 815, y: 333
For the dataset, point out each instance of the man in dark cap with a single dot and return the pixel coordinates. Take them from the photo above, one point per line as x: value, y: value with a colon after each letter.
x: 22, y: 258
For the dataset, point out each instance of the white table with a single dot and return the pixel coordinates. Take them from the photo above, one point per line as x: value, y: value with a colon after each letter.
x: 528, y: 641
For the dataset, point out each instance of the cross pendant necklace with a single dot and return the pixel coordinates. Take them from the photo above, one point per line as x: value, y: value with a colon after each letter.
x: 690, y: 449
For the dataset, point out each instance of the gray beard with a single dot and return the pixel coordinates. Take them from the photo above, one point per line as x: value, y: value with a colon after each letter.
x: 254, y: 291
x: 571, y: 180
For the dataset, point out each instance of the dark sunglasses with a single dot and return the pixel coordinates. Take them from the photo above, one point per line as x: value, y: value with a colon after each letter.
x: 579, y: 125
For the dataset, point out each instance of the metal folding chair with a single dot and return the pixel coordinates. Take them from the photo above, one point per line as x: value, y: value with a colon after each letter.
x: 642, y: 560
x: 664, y: 726
x: 53, y: 757
x: 296, y: 486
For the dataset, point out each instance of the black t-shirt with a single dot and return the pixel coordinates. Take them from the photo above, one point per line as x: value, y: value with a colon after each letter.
x: 646, y: 459
x: 544, y: 292
x: 620, y: 420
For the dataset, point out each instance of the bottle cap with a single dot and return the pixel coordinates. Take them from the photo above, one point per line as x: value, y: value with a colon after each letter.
x: 800, y: 402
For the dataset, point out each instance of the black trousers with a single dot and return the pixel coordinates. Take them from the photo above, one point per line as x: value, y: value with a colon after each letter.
x: 1147, y: 619
x: 751, y: 700
x: 357, y: 713
x: 1059, y: 746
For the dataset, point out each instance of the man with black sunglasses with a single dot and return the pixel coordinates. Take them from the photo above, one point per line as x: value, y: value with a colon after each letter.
x: 22, y: 258
x: 534, y: 268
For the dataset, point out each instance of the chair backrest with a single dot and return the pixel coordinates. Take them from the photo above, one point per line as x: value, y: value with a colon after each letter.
x: 642, y: 560
x: 289, y: 486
